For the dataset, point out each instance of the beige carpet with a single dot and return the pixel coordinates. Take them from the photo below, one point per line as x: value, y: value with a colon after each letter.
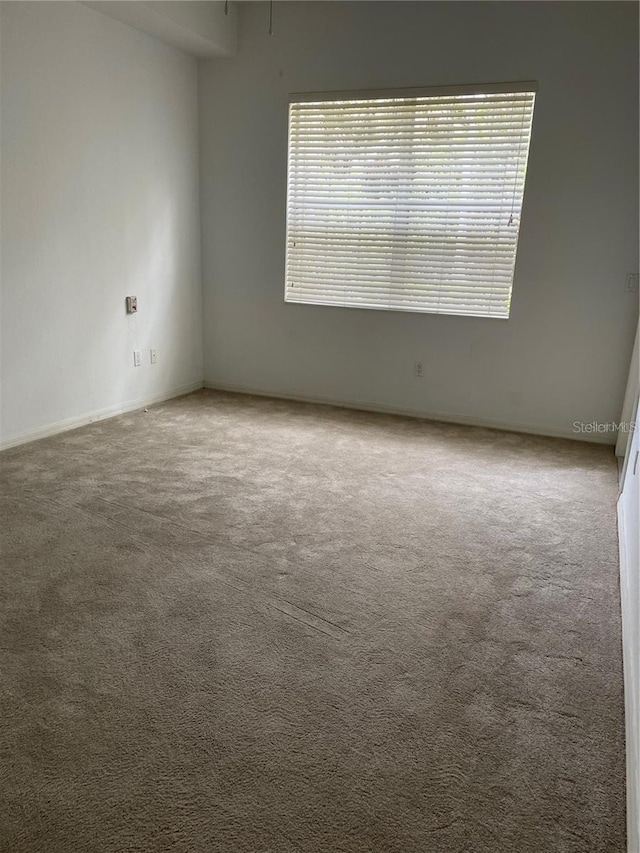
x: 235, y: 624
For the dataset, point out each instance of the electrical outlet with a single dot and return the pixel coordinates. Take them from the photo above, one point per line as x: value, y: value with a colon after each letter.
x: 153, y: 355
x: 137, y: 358
x: 417, y: 369
x: 132, y: 304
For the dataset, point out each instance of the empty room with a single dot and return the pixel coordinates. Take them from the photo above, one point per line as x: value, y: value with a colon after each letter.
x: 319, y: 476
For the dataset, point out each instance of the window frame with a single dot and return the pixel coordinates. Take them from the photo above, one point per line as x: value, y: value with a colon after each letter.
x: 502, y: 88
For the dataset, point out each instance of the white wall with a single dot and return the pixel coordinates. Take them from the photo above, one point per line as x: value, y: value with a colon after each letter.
x: 563, y: 355
x: 100, y: 199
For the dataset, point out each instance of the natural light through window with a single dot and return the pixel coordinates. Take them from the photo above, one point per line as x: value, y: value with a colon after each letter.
x: 407, y: 201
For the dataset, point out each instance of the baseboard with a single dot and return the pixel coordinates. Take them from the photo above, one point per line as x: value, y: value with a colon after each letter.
x: 446, y: 417
x: 631, y: 694
x: 99, y: 415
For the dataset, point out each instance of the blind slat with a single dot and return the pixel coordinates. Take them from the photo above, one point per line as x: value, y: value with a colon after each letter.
x: 407, y: 203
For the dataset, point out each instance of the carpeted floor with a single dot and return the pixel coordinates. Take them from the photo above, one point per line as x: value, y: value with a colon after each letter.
x: 236, y: 624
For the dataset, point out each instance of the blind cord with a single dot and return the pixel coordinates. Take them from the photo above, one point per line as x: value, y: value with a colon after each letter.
x: 515, y: 180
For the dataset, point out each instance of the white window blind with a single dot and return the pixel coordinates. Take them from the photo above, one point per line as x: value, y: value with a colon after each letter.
x: 407, y: 202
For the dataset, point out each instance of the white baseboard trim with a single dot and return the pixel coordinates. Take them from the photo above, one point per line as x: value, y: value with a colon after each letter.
x: 99, y: 415
x: 445, y: 417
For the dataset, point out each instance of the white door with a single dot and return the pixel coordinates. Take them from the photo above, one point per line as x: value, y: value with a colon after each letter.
x: 629, y: 532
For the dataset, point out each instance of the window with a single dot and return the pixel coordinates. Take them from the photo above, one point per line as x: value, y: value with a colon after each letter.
x: 407, y: 200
